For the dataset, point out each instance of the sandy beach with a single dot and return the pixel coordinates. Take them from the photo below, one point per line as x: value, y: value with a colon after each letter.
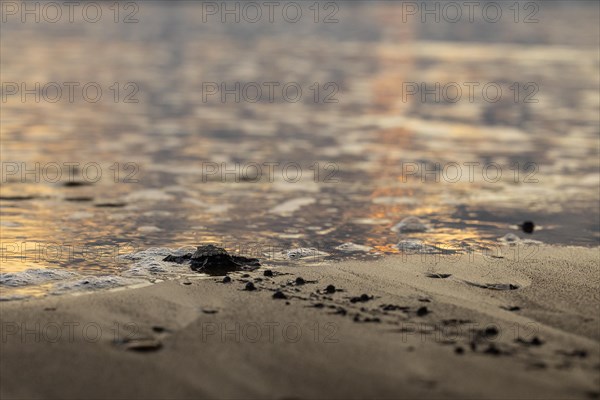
x: 299, y: 200
x: 406, y: 326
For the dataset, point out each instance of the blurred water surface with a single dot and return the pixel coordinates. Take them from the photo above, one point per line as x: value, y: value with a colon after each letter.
x: 357, y: 156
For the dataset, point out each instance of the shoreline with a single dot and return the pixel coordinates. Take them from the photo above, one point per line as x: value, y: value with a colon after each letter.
x: 422, y: 329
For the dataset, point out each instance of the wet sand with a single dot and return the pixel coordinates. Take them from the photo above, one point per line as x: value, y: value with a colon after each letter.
x: 426, y: 328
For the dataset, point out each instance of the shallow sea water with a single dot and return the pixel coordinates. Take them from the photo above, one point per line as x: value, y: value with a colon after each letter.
x: 178, y: 168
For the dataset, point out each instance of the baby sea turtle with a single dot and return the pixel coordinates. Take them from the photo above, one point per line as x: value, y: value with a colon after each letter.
x: 215, y: 260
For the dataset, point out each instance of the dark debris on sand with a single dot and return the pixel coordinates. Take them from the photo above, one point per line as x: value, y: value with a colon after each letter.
x: 393, y: 307
x: 511, y: 308
x: 141, y: 345
x: 535, y: 341
x: 422, y: 311
x: 527, y: 227
x: 363, y: 298
x: 76, y: 183
x: 437, y: 276
x: 279, y: 295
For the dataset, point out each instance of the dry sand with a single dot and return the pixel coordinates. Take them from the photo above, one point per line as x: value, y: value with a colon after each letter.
x: 208, y: 339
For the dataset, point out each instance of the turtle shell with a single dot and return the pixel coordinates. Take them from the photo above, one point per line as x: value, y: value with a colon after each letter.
x: 215, y: 260
x: 208, y: 250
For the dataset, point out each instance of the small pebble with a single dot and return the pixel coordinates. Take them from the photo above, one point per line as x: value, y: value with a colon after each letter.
x: 226, y: 279
x: 268, y: 273
x: 300, y: 281
x: 279, y: 295
x: 459, y: 350
x: 330, y: 289
x: 422, y: 311
x: 490, y: 332
x: 250, y: 287
x: 536, y: 341
x: 363, y: 298
x: 141, y: 345
x: 528, y: 226
x: 341, y: 311
x: 493, y: 350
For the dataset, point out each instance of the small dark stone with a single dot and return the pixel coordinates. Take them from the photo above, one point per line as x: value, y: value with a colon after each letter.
x: 330, y: 289
x: 76, y: 183
x: 300, y: 281
x: 110, y: 205
x: 422, y: 311
x: 528, y: 226
x: 437, y: 276
x: 250, y: 287
x: 279, y: 295
x: 318, y: 305
x: 246, y: 276
x: 536, y: 341
x: 226, y: 279
x: 158, y: 329
x: 341, y: 311
x: 268, y: 273
x: 493, y: 350
x: 187, y: 283
x: 459, y: 350
x: 140, y: 345
x: 362, y: 298
x: 490, y: 332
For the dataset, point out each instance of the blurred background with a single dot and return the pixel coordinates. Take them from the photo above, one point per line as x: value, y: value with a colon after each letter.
x: 142, y: 126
